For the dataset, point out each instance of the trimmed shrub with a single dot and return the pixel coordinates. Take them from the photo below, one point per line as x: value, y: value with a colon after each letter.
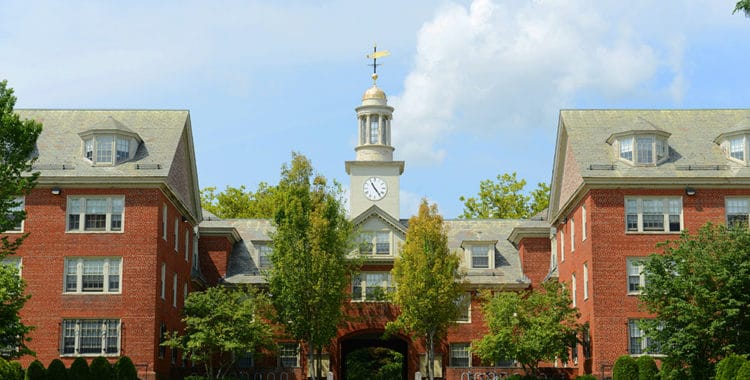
x: 586, y: 377
x: 125, y: 369
x: 56, y: 370
x: 744, y: 371
x: 5, y: 370
x: 100, y: 369
x: 625, y: 368
x: 647, y: 369
x: 728, y: 367
x: 79, y: 369
x: 17, y: 372
x: 36, y: 371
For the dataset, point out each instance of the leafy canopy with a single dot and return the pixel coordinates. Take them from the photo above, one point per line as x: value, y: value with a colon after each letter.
x: 698, y: 291
x: 310, y: 272
x: 221, y: 324
x: 428, y: 280
x: 742, y: 6
x: 530, y: 327
x: 237, y: 202
x: 505, y: 199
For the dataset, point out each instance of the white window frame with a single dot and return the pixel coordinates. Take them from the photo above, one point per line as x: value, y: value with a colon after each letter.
x: 634, y: 267
x: 737, y: 210
x: 638, y: 343
x: 376, y: 243
x: 459, y: 351
x: 636, y: 208
x: 572, y: 235
x: 21, y: 206
x: 364, y: 291
x: 479, y: 250
x: 79, y: 263
x: 737, y: 144
x: 113, y: 202
x: 164, y: 222
x: 264, y: 250
x: 72, y: 336
x: 176, y: 234
x: 163, y: 281
x: 573, y: 289
x: 103, y: 149
x: 643, y: 149
x: 285, y: 355
x: 562, y: 244
x: 174, y: 290
x: 584, y: 223
x: 464, y: 302
x: 15, y: 262
x: 585, y: 281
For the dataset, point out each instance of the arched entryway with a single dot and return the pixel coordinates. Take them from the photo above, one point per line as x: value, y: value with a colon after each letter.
x: 383, y: 354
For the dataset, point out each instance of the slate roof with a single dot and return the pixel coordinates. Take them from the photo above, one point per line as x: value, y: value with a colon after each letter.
x: 242, y: 267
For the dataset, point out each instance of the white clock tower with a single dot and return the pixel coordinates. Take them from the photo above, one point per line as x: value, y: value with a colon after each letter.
x: 374, y: 176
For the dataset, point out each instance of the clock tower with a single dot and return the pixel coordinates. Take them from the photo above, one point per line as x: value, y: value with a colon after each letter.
x: 374, y: 176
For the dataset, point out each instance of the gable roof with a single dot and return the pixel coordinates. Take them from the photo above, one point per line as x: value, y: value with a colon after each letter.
x: 375, y: 211
x: 165, y: 156
x: 582, y: 151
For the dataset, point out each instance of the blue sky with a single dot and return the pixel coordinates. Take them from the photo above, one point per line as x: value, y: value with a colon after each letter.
x: 477, y: 85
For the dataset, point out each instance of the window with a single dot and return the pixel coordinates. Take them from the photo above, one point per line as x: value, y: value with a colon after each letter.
x: 464, y: 303
x: 174, y: 356
x: 13, y: 262
x: 362, y: 131
x: 562, y: 245
x: 174, y: 290
x: 375, y: 243
x: 481, y: 256
x: 106, y: 149
x: 184, y: 293
x: 585, y: 281
x: 572, y: 235
x: 187, y: 244
x: 264, y: 254
x: 737, y: 210
x: 636, y: 277
x: 737, y: 148
x: 584, y: 222
x: 162, y: 338
x: 648, y: 149
x: 288, y: 355
x: 626, y: 149
x: 90, y: 337
x: 176, y: 234
x: 246, y: 360
x: 653, y: 214
x: 15, y: 214
x: 92, y: 275
x: 123, y: 149
x: 164, y: 222
x: 163, y: 281
x: 196, y: 263
x: 644, y: 148
x: 573, y: 289
x: 375, y: 284
x: 374, y: 130
x: 92, y: 214
x: 638, y: 342
x: 460, y: 355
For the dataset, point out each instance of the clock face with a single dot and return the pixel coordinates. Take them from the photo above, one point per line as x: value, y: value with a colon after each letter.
x: 375, y: 188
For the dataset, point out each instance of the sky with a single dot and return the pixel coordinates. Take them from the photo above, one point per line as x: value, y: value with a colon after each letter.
x: 477, y: 85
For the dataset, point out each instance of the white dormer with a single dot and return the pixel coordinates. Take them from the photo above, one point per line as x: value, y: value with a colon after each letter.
x: 109, y: 143
x: 734, y: 144
x: 479, y: 254
x: 641, y: 147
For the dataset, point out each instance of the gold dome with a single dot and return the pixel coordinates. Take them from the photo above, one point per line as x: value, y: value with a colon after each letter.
x: 373, y: 93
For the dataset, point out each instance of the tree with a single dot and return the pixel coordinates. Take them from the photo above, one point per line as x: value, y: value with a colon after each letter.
x: 727, y: 368
x: 697, y: 290
x: 647, y: 369
x: 374, y: 363
x: 625, y: 368
x: 529, y: 326
x: 310, y: 272
x: 236, y: 202
x: 505, y: 199
x: 17, y: 143
x: 743, y: 6
x: 428, y: 281
x: 221, y: 324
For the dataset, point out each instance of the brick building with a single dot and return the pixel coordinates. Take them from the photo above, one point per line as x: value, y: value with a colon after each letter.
x: 118, y: 238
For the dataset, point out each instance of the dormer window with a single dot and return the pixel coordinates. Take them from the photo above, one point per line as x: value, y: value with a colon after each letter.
x: 641, y: 148
x: 735, y: 145
x: 109, y: 143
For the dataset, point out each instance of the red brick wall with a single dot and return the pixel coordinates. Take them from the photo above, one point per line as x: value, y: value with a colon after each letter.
x: 139, y: 306
x: 214, y: 257
x: 535, y: 254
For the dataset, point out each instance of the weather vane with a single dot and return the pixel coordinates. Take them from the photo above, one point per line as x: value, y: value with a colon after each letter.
x: 374, y: 56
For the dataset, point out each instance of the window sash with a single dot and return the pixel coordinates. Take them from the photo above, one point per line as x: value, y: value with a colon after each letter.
x: 626, y: 149
x: 737, y: 210
x: 464, y: 304
x: 289, y: 355
x: 92, y: 275
x: 264, y: 255
x: 737, y: 148
x: 99, y: 214
x: 90, y: 337
x: 636, y: 277
x: 382, y: 243
x: 374, y: 129
x: 480, y: 257
x: 638, y: 342
x: 460, y: 355
x: 653, y: 214
x: 374, y: 285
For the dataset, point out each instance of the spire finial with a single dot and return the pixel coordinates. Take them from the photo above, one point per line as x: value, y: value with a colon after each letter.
x: 374, y: 56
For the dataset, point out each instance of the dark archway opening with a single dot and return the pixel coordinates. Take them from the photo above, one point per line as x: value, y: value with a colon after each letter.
x: 370, y: 351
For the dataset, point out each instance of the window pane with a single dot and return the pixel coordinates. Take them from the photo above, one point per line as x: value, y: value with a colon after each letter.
x: 91, y: 337
x: 383, y: 244
x: 288, y: 355
x: 93, y: 276
x: 634, y: 334
x: 114, y: 275
x: 459, y: 355
x: 264, y: 255
x: 69, y: 337
x: 626, y: 149
x: 113, y: 337
x: 631, y: 214
x: 89, y: 149
x: 653, y: 215
x: 118, y: 205
x: 71, y: 276
x: 374, y: 131
x: 104, y: 149
x: 737, y: 148
x: 123, y: 149
x: 662, y: 149
x: 480, y: 257
x: 644, y: 147
x: 737, y: 211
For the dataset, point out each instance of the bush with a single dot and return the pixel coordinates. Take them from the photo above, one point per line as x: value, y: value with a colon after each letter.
x: 625, y: 368
x: 56, y: 370
x: 728, y: 367
x: 100, y: 369
x: 744, y: 371
x: 5, y: 370
x: 79, y: 369
x: 17, y: 372
x: 36, y: 371
x: 647, y: 369
x: 125, y: 369
x: 586, y: 377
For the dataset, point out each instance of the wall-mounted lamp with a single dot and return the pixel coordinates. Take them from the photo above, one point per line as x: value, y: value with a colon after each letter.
x: 689, y: 191
x: 56, y: 190
x: 184, y: 219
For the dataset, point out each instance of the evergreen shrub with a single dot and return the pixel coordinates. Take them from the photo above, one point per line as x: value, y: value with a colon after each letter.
x: 728, y: 367
x: 647, y: 369
x: 56, y: 370
x: 586, y: 377
x: 100, y: 369
x: 79, y: 369
x: 17, y: 372
x: 625, y: 368
x: 36, y: 371
x: 744, y: 371
x: 125, y: 369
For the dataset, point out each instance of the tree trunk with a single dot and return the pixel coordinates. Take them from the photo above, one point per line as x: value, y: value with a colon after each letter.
x: 311, y: 360
x: 431, y: 356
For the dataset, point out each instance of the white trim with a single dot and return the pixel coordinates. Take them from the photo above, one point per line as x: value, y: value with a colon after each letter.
x: 80, y: 265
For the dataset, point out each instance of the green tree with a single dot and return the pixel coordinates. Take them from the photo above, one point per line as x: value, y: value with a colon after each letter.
x: 742, y: 6
x: 647, y: 369
x: 221, y: 324
x: 374, y: 363
x: 237, y: 202
x: 17, y: 143
x: 625, y: 368
x: 744, y: 371
x: 428, y: 281
x: 529, y: 327
x: 56, y: 370
x: 697, y: 290
x: 311, y: 271
x: 36, y: 371
x: 727, y: 368
x: 505, y: 199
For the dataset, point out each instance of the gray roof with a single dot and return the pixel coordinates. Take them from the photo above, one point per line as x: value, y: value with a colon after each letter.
x: 694, y: 157
x: 242, y: 267
x: 165, y: 154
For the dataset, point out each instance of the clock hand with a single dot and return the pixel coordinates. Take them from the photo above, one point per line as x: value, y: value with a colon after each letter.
x: 375, y: 188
